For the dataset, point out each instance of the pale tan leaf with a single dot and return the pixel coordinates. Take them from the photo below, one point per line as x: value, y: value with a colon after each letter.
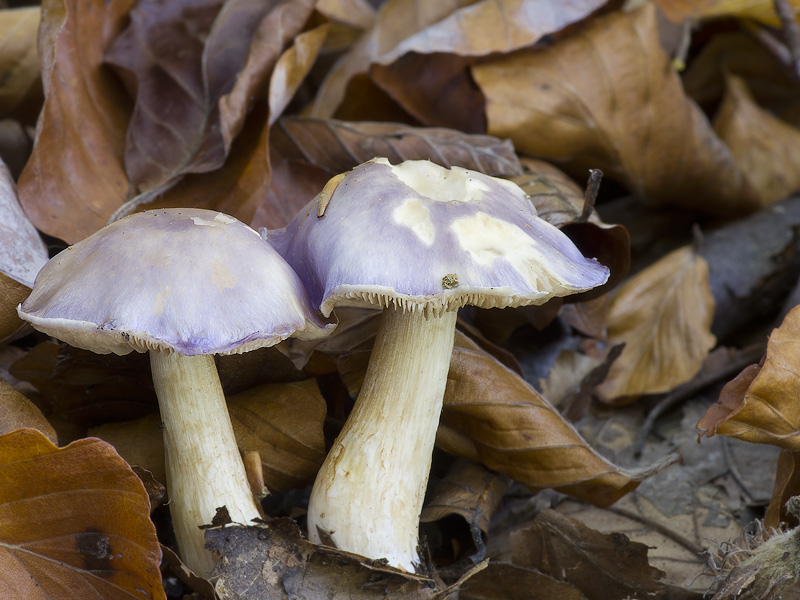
x: 358, y: 14
x: 19, y: 57
x: 663, y: 315
x: 607, y: 97
x: 760, y: 10
x: 17, y: 412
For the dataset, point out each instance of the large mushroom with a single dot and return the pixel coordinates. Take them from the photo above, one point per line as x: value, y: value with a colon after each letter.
x: 421, y: 241
x: 183, y: 284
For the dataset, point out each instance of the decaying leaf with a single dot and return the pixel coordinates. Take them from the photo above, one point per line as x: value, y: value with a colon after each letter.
x: 75, y: 522
x: 275, y: 561
x: 663, y: 315
x: 282, y: 422
x: 600, y: 565
x: 761, y: 10
x: 787, y: 485
x: 19, y: 59
x: 491, y: 415
x: 17, y: 412
x: 607, y: 97
x: 765, y: 147
x: 512, y: 582
x: 70, y: 195
x: 768, y: 413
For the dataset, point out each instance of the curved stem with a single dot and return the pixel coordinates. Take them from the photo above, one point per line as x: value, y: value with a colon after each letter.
x: 204, y: 467
x: 368, y: 494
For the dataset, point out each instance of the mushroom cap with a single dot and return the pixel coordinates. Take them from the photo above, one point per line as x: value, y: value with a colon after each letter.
x: 186, y: 280
x: 422, y: 237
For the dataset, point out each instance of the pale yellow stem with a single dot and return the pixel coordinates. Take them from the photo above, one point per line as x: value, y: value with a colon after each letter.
x: 204, y: 467
x: 368, y: 494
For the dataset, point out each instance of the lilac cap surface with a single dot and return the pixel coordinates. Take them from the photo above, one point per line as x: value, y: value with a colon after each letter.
x: 422, y: 237
x: 187, y: 280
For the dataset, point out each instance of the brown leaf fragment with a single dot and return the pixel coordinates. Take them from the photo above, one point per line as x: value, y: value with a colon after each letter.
x: 469, y: 490
x: 764, y: 146
x: 75, y: 522
x: 273, y: 560
x: 156, y: 491
x: 70, y: 194
x: 200, y: 585
x: 502, y: 422
x: 608, y: 97
x: 679, y: 10
x: 17, y: 412
x: 663, y: 315
x: 769, y: 412
x: 787, y: 485
x: 601, y: 565
x: 512, y: 582
x: 19, y: 59
x: 731, y: 400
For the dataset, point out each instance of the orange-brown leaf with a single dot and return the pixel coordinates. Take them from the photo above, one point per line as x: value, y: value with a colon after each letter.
x: 74, y: 179
x: 607, y: 97
x: 761, y: 10
x: 663, y: 315
x: 74, y: 522
x: 769, y: 412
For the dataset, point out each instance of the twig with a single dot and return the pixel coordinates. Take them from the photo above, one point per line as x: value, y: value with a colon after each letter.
x: 734, y: 471
x: 592, y: 188
x: 663, y: 529
x: 746, y: 356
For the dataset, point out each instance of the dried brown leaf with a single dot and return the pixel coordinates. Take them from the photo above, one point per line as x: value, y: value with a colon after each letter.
x: 497, y: 418
x: 764, y: 146
x: 457, y: 27
x: 663, y: 315
x: 358, y: 14
x: 19, y: 57
x: 75, y: 522
x: 607, y: 97
x: 787, y: 485
x: 70, y: 194
x: 17, y: 412
x: 760, y: 10
x: 512, y: 582
x: 769, y: 412
x: 731, y: 399
x: 468, y: 490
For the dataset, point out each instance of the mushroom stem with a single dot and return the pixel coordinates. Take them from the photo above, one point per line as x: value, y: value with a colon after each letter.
x: 204, y: 467
x: 368, y: 494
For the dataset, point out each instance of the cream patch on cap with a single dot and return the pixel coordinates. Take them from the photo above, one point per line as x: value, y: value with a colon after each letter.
x: 437, y: 183
x: 487, y: 238
x: 415, y: 215
x: 219, y: 219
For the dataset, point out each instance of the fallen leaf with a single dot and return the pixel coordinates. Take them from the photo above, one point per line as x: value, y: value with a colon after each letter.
x: 275, y: 561
x: 70, y: 194
x: 787, y: 485
x: 457, y: 27
x: 601, y: 565
x: 358, y: 14
x: 759, y: 10
x: 663, y: 315
x: 282, y: 422
x: 495, y: 417
x: 607, y: 97
x: 468, y: 490
x: 768, y: 413
x: 731, y: 399
x: 75, y: 522
x: 512, y: 582
x: 19, y: 60
x: 17, y: 412
x: 765, y: 147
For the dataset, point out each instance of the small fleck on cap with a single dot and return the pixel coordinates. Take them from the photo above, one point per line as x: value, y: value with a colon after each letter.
x: 422, y: 237
x: 191, y: 281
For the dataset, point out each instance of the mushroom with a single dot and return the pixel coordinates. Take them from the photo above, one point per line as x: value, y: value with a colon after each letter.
x: 421, y: 241
x: 183, y: 284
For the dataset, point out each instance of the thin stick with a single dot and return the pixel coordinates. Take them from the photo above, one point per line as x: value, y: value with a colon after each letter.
x: 592, y: 188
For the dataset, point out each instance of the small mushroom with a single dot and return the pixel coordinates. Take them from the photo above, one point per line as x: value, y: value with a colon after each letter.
x: 183, y: 284
x: 421, y: 241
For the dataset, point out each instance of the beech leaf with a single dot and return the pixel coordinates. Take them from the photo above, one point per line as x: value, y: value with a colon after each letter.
x: 19, y: 57
x: 75, y: 522
x: 663, y: 315
x: 768, y: 412
x: 607, y: 97
x: 17, y: 412
x: 760, y: 10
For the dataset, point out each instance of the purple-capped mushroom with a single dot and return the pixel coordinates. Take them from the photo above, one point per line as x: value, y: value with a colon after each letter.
x: 421, y: 241
x: 183, y: 284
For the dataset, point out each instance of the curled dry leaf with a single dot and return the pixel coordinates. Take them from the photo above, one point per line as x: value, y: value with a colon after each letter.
x: 358, y: 14
x: 17, y: 412
x: 456, y: 27
x: 765, y: 147
x: 768, y: 412
x: 70, y: 195
x: 282, y: 422
x: 760, y: 10
x: 75, y: 522
x: 19, y: 60
x: 663, y: 315
x: 607, y: 97
x: 493, y: 416
x: 787, y: 484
